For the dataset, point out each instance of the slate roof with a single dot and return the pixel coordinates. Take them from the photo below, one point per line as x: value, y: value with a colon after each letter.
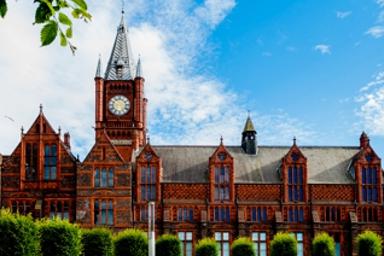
x: 121, y: 55
x: 189, y: 164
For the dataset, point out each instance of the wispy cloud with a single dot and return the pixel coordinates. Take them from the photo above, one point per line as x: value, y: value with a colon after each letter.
x: 371, y: 101
x: 376, y: 31
x: 343, y: 15
x: 186, y: 106
x: 323, y: 48
x: 380, y: 3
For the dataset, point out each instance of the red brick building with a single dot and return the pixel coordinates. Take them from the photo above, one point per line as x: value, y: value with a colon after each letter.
x: 219, y: 191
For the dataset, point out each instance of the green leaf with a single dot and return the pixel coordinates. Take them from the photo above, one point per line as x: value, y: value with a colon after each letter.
x: 3, y: 8
x: 68, y: 33
x: 49, y: 5
x: 81, y: 3
x: 64, y: 19
x: 63, y: 39
x: 76, y: 13
x: 42, y: 13
x: 48, y: 33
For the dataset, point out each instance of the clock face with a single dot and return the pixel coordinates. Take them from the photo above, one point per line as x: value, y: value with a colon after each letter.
x: 119, y: 105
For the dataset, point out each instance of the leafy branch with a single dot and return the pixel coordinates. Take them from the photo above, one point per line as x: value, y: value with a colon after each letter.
x: 51, y: 14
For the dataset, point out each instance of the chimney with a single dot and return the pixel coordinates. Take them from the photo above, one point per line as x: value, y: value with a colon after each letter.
x: 67, y: 140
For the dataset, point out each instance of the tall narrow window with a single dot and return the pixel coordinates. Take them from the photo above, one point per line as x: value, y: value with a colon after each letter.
x: 185, y: 214
x: 332, y: 214
x: 259, y: 240
x: 59, y: 209
x: 222, y: 240
x: 222, y: 183
x: 186, y: 240
x: 103, y: 177
x: 103, y: 212
x: 295, y: 183
x: 148, y: 183
x: 50, y: 162
x: 31, y: 161
x: 296, y: 214
x: 300, y: 242
x: 259, y: 214
x: 369, y: 184
x: 144, y: 213
x: 222, y: 214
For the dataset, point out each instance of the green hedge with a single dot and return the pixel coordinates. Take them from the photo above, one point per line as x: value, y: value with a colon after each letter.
x: 283, y: 244
x: 369, y: 244
x: 168, y: 245
x: 207, y: 247
x: 97, y: 242
x: 131, y: 242
x: 18, y: 235
x: 60, y: 238
x: 243, y: 246
x: 323, y: 245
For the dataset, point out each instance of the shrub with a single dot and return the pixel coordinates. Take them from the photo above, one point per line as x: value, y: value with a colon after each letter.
x: 131, y: 242
x: 168, y: 245
x: 369, y: 244
x: 283, y: 244
x: 323, y: 245
x: 97, y: 242
x: 18, y: 234
x: 60, y: 238
x: 243, y: 246
x: 207, y: 247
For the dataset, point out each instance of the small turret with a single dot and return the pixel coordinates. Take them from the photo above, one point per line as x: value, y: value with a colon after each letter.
x: 364, y: 140
x: 249, y: 142
x: 98, y: 69
x: 139, y: 70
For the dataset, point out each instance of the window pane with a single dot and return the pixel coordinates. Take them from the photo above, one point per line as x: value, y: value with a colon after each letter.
x: 110, y: 178
x: 188, y: 249
x: 300, y: 250
x: 299, y: 236
x: 103, y: 177
x: 189, y: 236
x: 225, y: 236
x: 97, y: 177
x: 263, y: 249
x: 263, y: 236
x: 225, y: 249
x: 255, y: 236
x: 181, y: 236
x: 218, y: 236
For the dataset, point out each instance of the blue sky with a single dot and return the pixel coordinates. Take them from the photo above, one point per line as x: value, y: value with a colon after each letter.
x: 310, y: 69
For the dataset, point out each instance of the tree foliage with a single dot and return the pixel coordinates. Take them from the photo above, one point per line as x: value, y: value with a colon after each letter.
x: 207, y: 247
x: 18, y: 235
x: 243, y: 246
x: 369, y: 244
x: 55, y: 18
x: 168, y: 245
x: 131, y: 242
x: 323, y: 245
x: 283, y: 244
x: 60, y: 238
x: 97, y: 242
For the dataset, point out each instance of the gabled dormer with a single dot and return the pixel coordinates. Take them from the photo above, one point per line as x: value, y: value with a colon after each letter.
x: 148, y: 175
x: 294, y: 175
x: 367, y: 173
x: 221, y: 175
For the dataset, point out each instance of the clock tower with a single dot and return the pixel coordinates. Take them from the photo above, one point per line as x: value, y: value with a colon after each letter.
x: 120, y: 106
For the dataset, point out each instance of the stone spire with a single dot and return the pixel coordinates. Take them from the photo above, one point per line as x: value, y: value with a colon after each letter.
x: 98, y: 69
x: 248, y: 141
x: 139, y: 69
x: 121, y: 64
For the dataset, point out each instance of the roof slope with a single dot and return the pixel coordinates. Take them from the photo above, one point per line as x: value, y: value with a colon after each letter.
x: 190, y: 163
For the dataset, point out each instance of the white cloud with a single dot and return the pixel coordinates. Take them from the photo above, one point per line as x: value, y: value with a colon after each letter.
x: 343, y: 15
x: 371, y: 110
x: 186, y: 106
x: 380, y: 3
x: 376, y: 31
x: 323, y: 48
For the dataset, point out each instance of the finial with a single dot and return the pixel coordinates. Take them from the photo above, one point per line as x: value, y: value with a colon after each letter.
x: 22, y: 130
x: 139, y: 69
x: 294, y: 140
x: 148, y: 140
x: 41, y: 108
x: 59, y: 129
x: 122, y: 7
x: 221, y: 139
x: 98, y: 69
x: 249, y: 113
x: 78, y: 157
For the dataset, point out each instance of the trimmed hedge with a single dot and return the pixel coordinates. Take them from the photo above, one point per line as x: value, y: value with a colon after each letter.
x: 323, y: 245
x: 369, y: 244
x: 168, y: 245
x: 207, y: 247
x: 283, y: 244
x: 18, y: 235
x: 97, y: 242
x: 243, y: 246
x: 131, y: 242
x: 60, y: 238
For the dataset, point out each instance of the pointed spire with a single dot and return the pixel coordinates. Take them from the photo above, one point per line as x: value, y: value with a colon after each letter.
x: 249, y: 127
x: 98, y: 69
x: 41, y: 108
x: 139, y: 69
x: 121, y: 64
